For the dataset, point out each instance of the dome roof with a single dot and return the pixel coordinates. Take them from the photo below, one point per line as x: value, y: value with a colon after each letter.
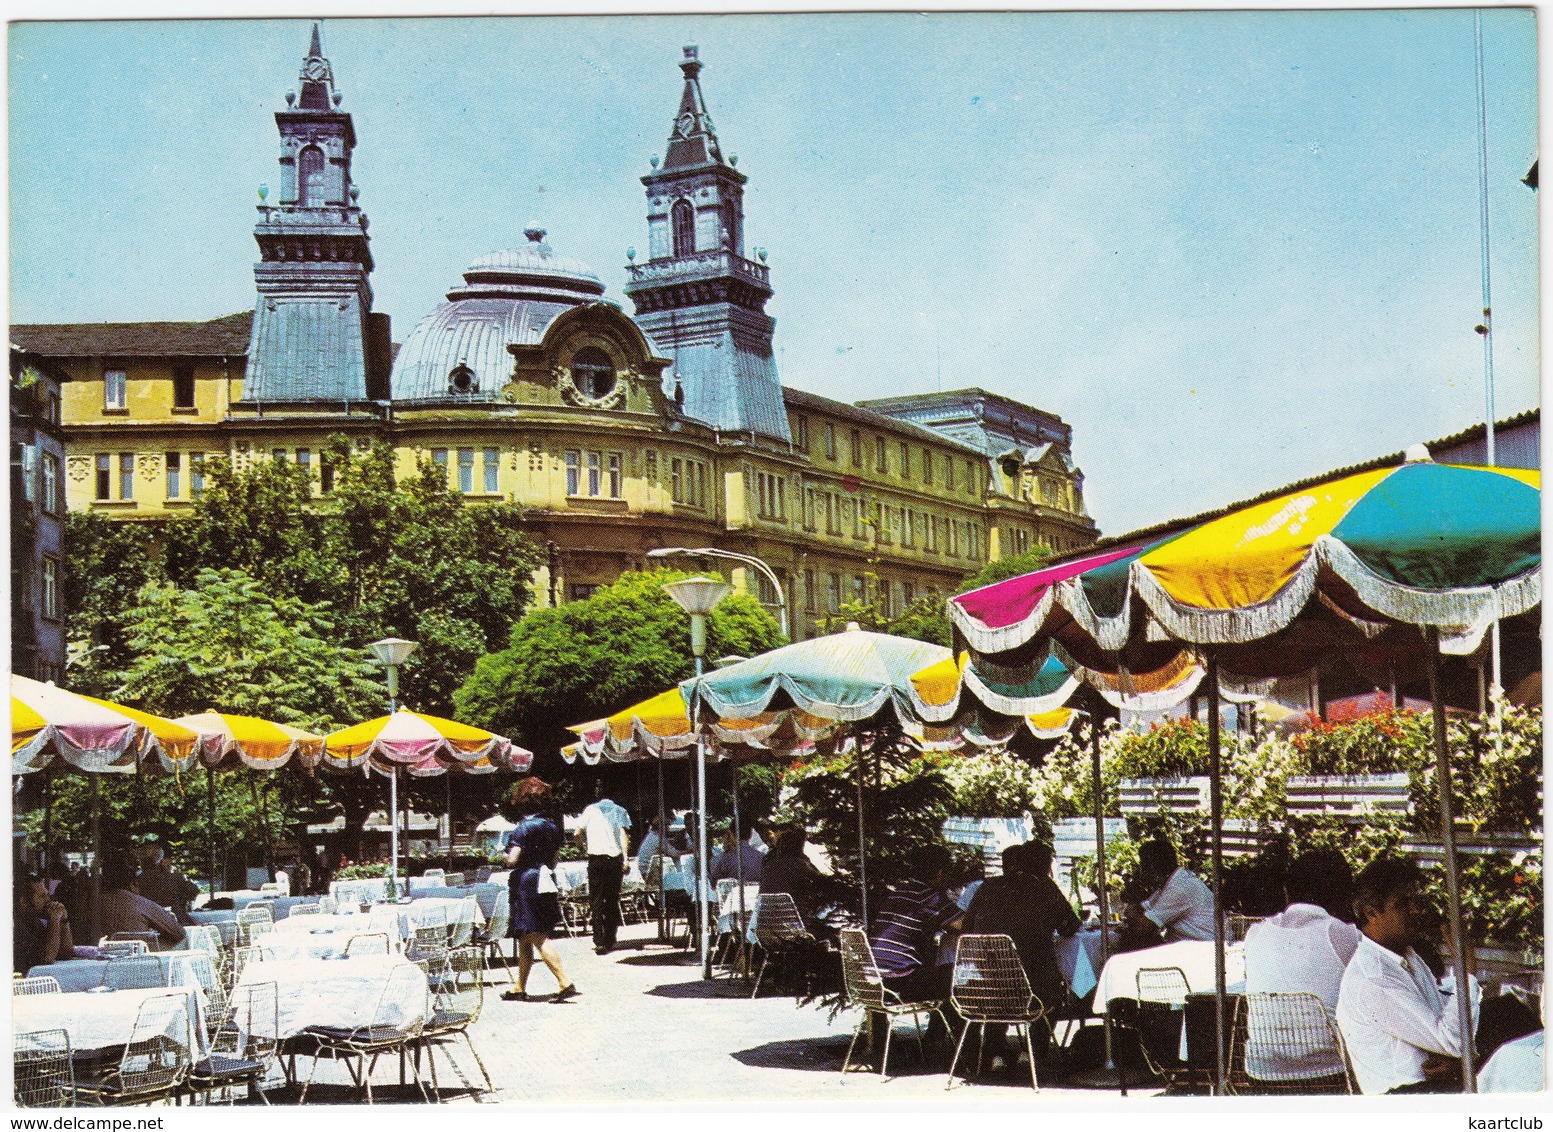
x: 459, y: 353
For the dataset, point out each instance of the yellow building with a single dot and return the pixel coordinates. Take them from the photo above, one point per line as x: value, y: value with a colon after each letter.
x: 619, y: 435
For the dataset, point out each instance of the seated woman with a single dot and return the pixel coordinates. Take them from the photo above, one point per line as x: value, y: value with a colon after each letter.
x: 42, y: 927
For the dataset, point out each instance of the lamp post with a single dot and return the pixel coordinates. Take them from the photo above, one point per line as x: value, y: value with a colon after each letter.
x: 746, y: 559
x: 697, y: 597
x: 391, y: 652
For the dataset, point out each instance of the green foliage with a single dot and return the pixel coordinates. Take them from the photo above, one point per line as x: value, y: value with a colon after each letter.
x: 591, y: 658
x: 370, y: 870
x: 995, y: 785
x: 107, y: 564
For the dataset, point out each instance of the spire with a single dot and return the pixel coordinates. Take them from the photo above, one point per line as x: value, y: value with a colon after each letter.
x: 693, y: 142
x: 317, y: 78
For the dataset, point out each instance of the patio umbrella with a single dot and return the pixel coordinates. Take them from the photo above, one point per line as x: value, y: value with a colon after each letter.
x: 422, y: 746
x: 1443, y: 548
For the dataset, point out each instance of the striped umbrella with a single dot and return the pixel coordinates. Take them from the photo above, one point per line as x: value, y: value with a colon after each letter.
x: 259, y: 744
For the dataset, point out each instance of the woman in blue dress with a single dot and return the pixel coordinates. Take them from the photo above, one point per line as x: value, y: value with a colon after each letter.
x: 532, y: 846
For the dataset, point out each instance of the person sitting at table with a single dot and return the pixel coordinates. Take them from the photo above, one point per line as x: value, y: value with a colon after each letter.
x: 123, y: 909
x: 1026, y: 905
x: 157, y: 882
x: 904, y: 935
x: 1179, y: 903
x: 649, y: 848
x: 533, y: 845
x: 787, y: 868
x: 42, y: 927
x: 1402, y: 1031
x: 734, y: 856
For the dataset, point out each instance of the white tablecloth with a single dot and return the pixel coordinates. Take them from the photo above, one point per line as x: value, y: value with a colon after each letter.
x: 107, y: 1018
x: 1078, y: 958
x: 366, y: 890
x: 730, y: 906
x: 431, y: 912
x: 340, y: 992
x: 1193, y: 957
x: 179, y: 969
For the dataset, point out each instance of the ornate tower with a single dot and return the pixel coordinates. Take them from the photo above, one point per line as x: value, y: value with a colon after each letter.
x: 697, y: 297
x: 314, y: 335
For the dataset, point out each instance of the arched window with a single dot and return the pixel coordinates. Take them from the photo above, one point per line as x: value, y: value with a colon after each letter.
x: 592, y: 372
x: 731, y: 226
x: 684, y: 228
x: 310, y: 177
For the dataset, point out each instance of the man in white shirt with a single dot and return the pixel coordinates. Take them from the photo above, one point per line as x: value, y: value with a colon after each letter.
x: 1402, y: 1030
x: 602, y: 829
x: 1516, y: 1067
x: 1303, y: 948
x: 1180, y: 903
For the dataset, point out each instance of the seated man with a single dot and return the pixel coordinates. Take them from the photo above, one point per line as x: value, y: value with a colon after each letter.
x: 1403, y: 1034
x: 42, y: 927
x: 161, y: 885
x: 905, y: 932
x: 1026, y: 905
x: 125, y: 910
x: 735, y: 855
x: 787, y: 868
x: 1179, y: 903
x: 1302, y: 948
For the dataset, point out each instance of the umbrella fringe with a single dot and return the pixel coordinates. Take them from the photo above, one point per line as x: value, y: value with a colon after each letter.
x: 985, y: 639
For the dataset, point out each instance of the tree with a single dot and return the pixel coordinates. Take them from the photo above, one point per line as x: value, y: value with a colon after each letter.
x: 1009, y: 566
x: 107, y: 565
x: 591, y: 658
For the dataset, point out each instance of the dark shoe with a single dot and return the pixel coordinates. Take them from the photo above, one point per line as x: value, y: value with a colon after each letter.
x: 565, y: 993
x: 601, y: 950
x: 514, y: 996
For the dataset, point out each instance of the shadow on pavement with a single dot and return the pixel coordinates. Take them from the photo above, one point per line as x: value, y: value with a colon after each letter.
x: 701, y: 988
x: 822, y: 1055
x: 671, y: 957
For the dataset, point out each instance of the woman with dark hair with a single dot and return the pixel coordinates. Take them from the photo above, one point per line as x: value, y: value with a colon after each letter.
x: 532, y: 847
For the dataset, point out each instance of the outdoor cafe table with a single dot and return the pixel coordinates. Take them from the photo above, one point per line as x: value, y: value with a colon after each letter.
x: 1194, y: 958
x: 179, y: 969
x: 338, y: 992
x: 96, y: 1020
x: 1078, y: 958
x: 728, y: 913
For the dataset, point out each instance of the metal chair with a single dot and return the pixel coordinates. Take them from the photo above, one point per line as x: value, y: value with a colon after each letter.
x: 778, y: 930
x: 35, y: 984
x: 866, y: 990
x: 373, y: 943
x: 483, y: 874
x: 453, y: 880
x: 1236, y: 926
x: 241, y: 957
x: 1291, y: 1045
x: 489, y: 938
x: 1155, y: 1019
x: 305, y: 910
x: 989, y: 987
x: 154, y: 1062
x: 427, y: 943
x: 152, y: 940
x: 378, y: 1036
x: 44, y: 1075
x: 110, y: 948
x: 253, y: 920
x: 243, y: 1047
x: 134, y: 972
x: 457, y: 982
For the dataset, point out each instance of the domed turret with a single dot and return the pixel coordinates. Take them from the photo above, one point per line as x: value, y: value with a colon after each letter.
x: 459, y: 351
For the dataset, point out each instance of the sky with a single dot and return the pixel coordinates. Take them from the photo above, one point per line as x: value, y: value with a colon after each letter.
x: 1231, y: 249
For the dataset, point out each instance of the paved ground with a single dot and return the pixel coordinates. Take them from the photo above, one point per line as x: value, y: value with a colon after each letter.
x: 647, y: 1029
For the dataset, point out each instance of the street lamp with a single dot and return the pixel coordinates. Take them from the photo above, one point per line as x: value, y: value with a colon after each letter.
x: 697, y: 597
x: 746, y: 559
x: 391, y: 652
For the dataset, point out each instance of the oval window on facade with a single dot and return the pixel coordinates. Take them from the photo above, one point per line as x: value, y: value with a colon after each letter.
x: 461, y: 379
x: 593, y: 373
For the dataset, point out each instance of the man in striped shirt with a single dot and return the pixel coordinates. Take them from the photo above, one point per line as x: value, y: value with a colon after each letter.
x: 905, y: 933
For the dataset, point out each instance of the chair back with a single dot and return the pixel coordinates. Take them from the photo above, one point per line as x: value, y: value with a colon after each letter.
x: 989, y: 981
x: 373, y: 943
x: 654, y: 875
x: 241, y: 957
x: 453, y: 880
x: 44, y: 1072
x: 251, y: 1027
x: 270, y: 888
x: 1291, y: 1037
x: 462, y: 993
x: 157, y: 1058
x: 305, y: 910
x: 434, y: 874
x: 776, y: 920
x: 114, y: 948
x: 403, y: 982
x: 203, y: 937
x: 328, y: 905
x: 135, y: 972
x: 152, y: 941
x: 1162, y: 984
x: 864, y: 984
x: 257, y: 913
x: 500, y: 919
x: 724, y: 887
x: 428, y: 943
x: 252, y: 932
x: 36, y: 984
x: 483, y: 874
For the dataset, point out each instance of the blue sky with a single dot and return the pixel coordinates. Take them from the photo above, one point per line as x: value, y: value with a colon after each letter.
x: 1231, y: 249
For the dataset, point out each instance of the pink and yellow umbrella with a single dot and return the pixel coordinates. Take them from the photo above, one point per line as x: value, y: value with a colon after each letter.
x: 259, y: 744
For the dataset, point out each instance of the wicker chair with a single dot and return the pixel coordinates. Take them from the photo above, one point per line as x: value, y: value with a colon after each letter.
x: 1291, y: 1045
x: 779, y: 931
x: 36, y: 984
x: 44, y: 1076
x: 377, y: 1037
x: 153, y: 1064
x: 866, y: 990
x: 457, y: 982
x: 990, y: 988
x: 243, y: 1047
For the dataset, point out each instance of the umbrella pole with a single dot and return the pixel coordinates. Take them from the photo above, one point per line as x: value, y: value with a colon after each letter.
x: 447, y: 797
x: 663, y: 844
x: 393, y: 833
x: 1102, y: 897
x: 738, y: 838
x: 93, y: 921
x: 1216, y: 818
x: 859, y: 752
x: 1452, y: 879
x: 699, y: 901
x: 210, y: 828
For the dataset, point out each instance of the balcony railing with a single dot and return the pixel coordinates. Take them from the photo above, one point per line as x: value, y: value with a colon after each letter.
x: 701, y: 265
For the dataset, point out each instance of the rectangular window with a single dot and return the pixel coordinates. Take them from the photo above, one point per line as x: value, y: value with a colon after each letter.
x: 278, y: 455
x: 908, y: 594
x: 908, y: 527
x: 881, y: 458
x: 115, y: 392
x: 677, y: 480
x: 491, y: 462
x: 765, y: 590
x: 927, y: 465
x: 830, y: 441
x: 884, y: 598
x: 126, y: 475
x: 51, y: 588
x: 970, y: 477
x: 832, y: 514
x: 905, y: 461
x: 325, y: 472
x: 811, y: 593
x: 700, y: 485
x: 857, y: 587
x: 930, y: 533
x: 104, y: 476
x: 833, y: 594
x: 197, y: 475
x: 174, y: 475
x: 948, y: 472
x: 856, y: 446
x: 439, y: 460
x: 616, y: 481
x: 573, y: 472
x: 51, y: 497
x: 183, y: 387
x: 305, y: 460
x: 803, y: 432
x: 771, y: 496
x: 582, y: 591
x: 595, y: 474
x: 466, y: 471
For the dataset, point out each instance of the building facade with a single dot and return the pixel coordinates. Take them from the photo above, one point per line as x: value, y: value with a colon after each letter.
x: 619, y: 434
x: 37, y: 519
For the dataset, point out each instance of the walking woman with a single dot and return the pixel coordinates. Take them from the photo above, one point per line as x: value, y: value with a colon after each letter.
x: 531, y: 850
